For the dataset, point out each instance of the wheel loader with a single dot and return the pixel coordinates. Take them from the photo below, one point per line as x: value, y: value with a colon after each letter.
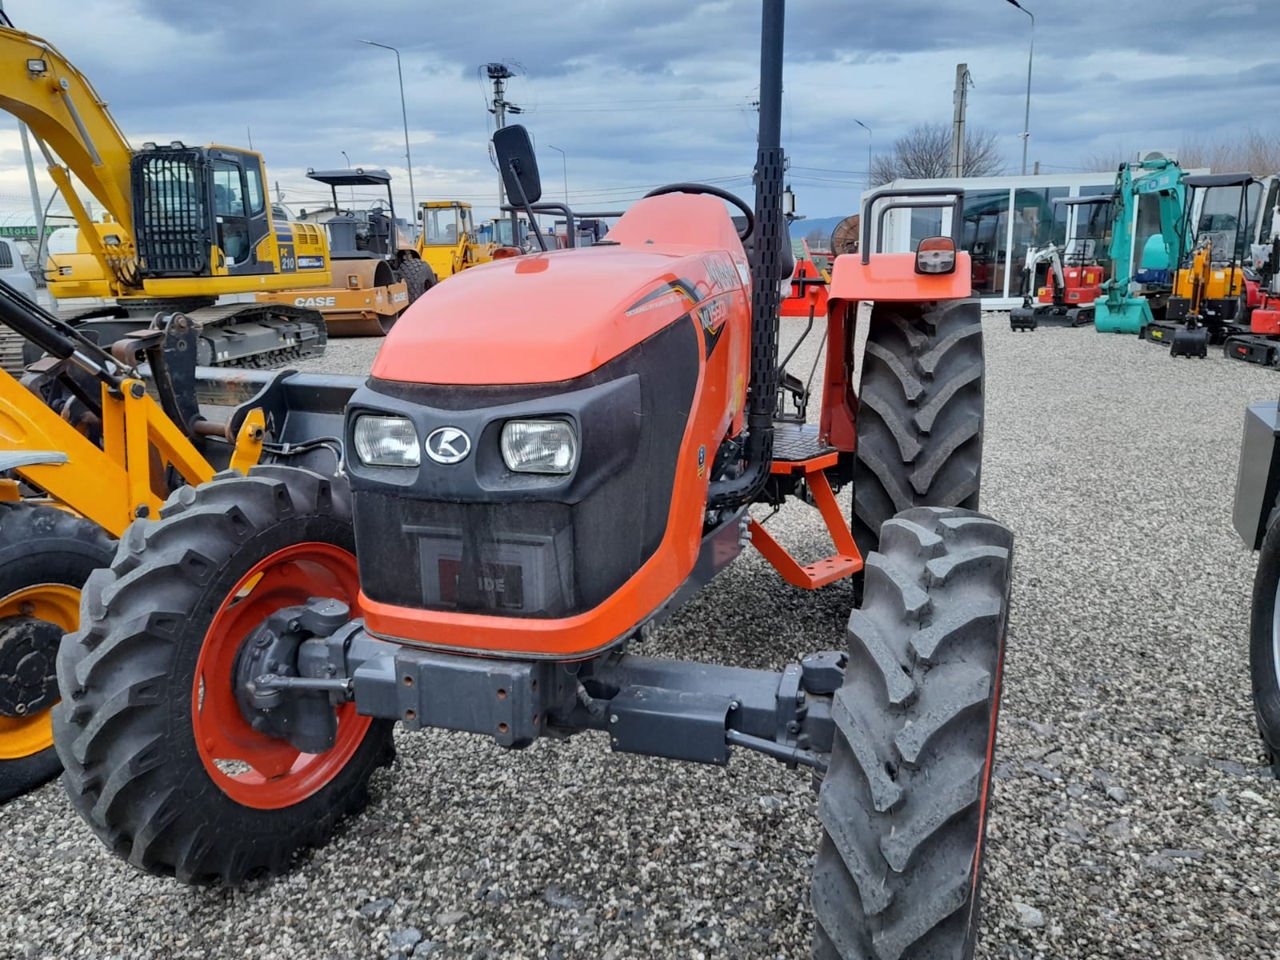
x: 447, y: 239
x: 90, y: 440
x: 527, y: 496
x: 184, y: 225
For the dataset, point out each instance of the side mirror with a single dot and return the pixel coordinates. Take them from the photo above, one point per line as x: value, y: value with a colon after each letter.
x: 516, y: 162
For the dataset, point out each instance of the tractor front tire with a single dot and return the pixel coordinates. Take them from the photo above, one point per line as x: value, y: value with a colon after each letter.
x: 904, y: 801
x: 1264, y: 645
x: 158, y: 758
x: 920, y: 410
x: 46, y: 555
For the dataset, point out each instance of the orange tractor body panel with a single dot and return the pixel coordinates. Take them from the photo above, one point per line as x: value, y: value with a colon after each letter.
x: 551, y: 340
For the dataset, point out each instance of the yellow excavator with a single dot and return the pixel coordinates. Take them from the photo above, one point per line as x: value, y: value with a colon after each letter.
x: 184, y: 225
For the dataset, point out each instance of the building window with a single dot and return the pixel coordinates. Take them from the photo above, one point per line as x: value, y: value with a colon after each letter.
x: 1037, y: 222
x: 925, y: 222
x: 985, y: 236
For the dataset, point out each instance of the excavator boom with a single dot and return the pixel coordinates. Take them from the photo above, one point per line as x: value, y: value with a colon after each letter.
x: 184, y: 225
x: 40, y: 87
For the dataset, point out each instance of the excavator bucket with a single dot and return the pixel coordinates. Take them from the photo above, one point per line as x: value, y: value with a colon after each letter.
x: 1190, y: 342
x: 1128, y: 315
x: 1022, y: 318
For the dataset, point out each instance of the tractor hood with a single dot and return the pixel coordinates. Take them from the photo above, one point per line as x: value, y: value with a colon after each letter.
x: 554, y: 316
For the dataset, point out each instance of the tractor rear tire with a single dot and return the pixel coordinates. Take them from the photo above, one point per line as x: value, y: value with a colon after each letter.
x: 158, y: 759
x: 1264, y: 645
x: 904, y: 802
x: 920, y: 413
x: 418, y: 276
x: 46, y: 555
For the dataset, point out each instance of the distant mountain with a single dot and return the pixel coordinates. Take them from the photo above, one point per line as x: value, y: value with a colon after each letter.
x: 802, y: 228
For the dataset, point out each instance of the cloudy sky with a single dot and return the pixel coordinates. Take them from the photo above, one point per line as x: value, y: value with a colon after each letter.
x: 643, y: 92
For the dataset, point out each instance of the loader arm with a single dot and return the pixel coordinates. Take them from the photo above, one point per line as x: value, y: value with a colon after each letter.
x: 43, y: 89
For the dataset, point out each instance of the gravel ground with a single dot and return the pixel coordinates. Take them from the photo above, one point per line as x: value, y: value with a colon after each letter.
x: 1131, y: 816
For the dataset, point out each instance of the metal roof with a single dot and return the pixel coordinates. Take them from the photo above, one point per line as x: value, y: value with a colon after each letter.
x: 359, y: 177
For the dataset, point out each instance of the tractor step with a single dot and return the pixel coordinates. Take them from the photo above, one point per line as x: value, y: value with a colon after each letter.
x: 797, y: 449
x: 797, y: 443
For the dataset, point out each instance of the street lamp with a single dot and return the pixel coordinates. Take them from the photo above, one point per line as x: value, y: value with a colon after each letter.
x: 868, y: 129
x: 565, y: 164
x: 413, y: 200
x: 350, y: 188
x: 1026, y: 117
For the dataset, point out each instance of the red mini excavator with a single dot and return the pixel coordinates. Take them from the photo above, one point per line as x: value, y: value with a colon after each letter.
x: 526, y: 495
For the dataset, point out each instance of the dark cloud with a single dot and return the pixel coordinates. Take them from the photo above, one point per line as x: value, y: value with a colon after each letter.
x: 642, y: 93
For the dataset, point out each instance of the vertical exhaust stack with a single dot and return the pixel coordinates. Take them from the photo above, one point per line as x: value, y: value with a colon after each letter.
x: 766, y: 270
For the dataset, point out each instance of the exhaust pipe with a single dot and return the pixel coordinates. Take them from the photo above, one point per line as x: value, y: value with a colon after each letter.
x: 766, y: 272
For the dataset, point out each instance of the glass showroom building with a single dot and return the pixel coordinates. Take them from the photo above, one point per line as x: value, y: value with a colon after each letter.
x: 1003, y: 217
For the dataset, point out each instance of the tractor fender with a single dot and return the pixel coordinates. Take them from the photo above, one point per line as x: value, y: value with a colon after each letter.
x: 893, y: 276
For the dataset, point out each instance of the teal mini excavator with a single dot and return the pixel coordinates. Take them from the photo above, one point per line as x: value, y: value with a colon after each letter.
x: 1118, y: 311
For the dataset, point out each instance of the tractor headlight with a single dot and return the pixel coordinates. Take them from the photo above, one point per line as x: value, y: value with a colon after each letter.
x: 539, y: 446
x: 386, y: 442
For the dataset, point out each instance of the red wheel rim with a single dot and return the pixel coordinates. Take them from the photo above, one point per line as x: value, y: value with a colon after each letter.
x: 250, y: 768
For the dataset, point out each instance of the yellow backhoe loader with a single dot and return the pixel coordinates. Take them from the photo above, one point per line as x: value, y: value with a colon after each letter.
x: 93, y: 439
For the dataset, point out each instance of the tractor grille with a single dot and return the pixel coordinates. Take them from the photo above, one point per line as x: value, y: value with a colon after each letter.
x: 510, y: 558
x: 473, y: 537
x: 170, y: 212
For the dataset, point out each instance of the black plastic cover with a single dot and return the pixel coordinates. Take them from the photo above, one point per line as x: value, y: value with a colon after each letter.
x: 1258, y: 477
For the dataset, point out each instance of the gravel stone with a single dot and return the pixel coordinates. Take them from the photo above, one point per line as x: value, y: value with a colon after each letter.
x: 1114, y: 466
x: 405, y: 939
x: 1028, y: 915
x: 377, y: 909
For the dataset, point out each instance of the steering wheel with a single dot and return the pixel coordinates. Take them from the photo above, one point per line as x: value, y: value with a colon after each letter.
x: 715, y: 192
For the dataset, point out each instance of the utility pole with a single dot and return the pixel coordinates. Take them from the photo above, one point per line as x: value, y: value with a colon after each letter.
x: 961, y: 100
x: 35, y: 191
x: 499, y: 73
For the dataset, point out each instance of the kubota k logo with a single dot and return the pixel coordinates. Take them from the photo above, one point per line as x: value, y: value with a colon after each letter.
x: 448, y: 445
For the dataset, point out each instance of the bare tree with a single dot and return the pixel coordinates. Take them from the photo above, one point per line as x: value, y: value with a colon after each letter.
x: 1253, y: 151
x: 1107, y: 160
x: 924, y: 152
x: 816, y: 237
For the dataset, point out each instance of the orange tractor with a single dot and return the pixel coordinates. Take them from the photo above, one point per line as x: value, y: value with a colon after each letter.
x: 526, y: 496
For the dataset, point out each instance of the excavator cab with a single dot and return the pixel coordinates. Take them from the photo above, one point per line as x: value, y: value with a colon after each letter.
x: 200, y: 211
x: 1074, y: 277
x: 1210, y: 299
